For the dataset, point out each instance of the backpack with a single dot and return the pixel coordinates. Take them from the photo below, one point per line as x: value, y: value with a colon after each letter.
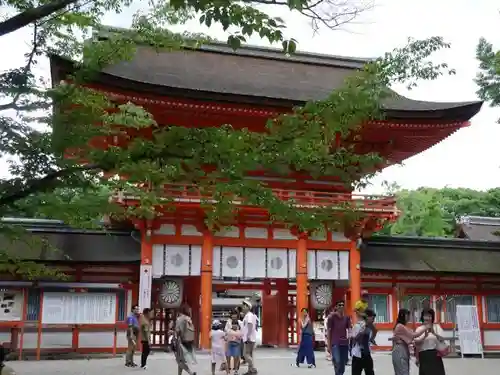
x: 188, y: 331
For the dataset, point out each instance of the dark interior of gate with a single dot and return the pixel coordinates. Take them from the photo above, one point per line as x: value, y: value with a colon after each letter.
x: 274, y: 304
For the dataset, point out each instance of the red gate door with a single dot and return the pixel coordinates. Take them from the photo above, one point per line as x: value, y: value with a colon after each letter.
x: 270, y: 319
x: 160, y: 319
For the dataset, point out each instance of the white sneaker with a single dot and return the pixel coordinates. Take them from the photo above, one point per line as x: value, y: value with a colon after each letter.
x: 144, y: 368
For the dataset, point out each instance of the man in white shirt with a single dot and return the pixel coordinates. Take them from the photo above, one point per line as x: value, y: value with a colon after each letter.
x: 249, y: 335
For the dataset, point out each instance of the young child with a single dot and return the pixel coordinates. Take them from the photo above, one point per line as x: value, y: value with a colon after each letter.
x: 218, y: 338
x: 360, y: 308
x: 234, y: 335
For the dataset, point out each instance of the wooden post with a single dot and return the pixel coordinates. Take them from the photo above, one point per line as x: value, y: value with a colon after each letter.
x: 206, y: 289
x: 355, y: 275
x: 302, y: 298
x: 39, y: 330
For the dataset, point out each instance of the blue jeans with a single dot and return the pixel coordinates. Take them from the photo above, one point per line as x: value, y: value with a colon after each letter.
x: 340, y: 356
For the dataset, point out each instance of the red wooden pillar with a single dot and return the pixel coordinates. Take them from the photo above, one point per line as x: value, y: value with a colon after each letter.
x: 206, y: 289
x: 355, y: 277
x: 302, y: 300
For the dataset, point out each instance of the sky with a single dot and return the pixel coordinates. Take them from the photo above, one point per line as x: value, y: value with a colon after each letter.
x: 469, y: 158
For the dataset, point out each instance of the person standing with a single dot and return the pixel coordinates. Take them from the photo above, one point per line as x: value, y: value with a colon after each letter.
x: 306, y: 346
x: 185, y: 338
x: 233, y: 346
x: 132, y: 334
x: 430, y: 361
x: 326, y: 314
x: 145, y: 321
x: 218, y: 347
x: 401, y: 341
x: 234, y: 320
x: 338, y: 331
x: 361, y: 335
x: 249, y: 336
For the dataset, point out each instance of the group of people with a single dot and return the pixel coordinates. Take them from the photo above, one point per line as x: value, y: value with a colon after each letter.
x: 344, y: 339
x: 138, y: 327
x: 230, y: 341
x: 235, y: 341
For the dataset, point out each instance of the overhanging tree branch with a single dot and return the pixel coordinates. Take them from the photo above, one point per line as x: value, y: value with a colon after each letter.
x: 44, y: 183
x: 32, y: 15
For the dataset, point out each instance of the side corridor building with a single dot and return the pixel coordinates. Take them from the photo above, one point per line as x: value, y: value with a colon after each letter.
x: 102, y: 283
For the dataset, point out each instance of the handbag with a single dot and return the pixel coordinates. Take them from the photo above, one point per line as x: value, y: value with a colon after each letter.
x: 443, y: 349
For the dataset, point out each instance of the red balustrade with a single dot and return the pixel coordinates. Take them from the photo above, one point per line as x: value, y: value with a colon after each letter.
x: 300, y: 198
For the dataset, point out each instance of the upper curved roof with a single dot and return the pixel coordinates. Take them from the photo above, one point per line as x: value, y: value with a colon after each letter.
x: 257, y: 75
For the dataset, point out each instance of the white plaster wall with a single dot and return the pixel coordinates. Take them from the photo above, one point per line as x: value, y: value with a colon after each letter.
x: 383, y: 337
x: 491, y: 337
x: 30, y: 340
x: 56, y: 340
x: 96, y: 339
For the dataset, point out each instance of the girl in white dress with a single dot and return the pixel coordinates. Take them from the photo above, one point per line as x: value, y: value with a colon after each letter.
x: 218, y: 352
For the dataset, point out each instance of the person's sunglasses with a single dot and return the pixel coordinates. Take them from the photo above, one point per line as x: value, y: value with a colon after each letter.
x: 340, y: 305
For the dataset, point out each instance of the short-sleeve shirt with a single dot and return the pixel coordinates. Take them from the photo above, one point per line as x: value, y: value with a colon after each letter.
x: 229, y: 324
x: 337, y: 327
x: 250, y: 318
x: 218, y: 338
x: 133, y: 322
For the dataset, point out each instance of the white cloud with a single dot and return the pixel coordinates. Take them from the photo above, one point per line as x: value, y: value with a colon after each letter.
x: 466, y: 159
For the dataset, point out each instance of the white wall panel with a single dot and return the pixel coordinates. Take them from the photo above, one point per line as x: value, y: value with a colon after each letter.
x: 277, y: 263
x: 232, y: 261
x: 255, y: 262
x: 158, y: 260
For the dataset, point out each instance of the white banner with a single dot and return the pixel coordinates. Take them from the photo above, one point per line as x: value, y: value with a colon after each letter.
x: 469, y: 332
x: 78, y: 308
x: 145, y: 285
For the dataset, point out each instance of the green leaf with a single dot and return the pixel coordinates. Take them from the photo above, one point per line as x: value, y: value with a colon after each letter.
x: 234, y: 42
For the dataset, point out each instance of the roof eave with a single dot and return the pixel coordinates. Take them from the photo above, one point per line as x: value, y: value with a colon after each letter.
x: 431, y: 243
x: 61, y: 67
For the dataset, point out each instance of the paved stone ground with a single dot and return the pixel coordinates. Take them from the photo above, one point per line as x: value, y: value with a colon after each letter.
x: 269, y: 362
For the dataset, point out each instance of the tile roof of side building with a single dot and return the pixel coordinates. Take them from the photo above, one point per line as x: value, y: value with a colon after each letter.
x: 256, y: 75
x: 379, y: 253
x: 479, y: 228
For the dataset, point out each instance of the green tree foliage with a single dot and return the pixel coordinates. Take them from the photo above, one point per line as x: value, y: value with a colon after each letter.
x: 488, y: 78
x: 303, y: 140
x: 429, y: 212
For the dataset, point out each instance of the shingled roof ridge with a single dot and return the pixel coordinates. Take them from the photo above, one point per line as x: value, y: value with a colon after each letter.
x: 479, y: 220
x: 263, y: 52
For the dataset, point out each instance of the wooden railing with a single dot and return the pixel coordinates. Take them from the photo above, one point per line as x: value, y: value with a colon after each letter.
x: 300, y: 198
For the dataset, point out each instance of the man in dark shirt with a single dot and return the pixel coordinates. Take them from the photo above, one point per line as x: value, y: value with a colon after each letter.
x: 338, y: 331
